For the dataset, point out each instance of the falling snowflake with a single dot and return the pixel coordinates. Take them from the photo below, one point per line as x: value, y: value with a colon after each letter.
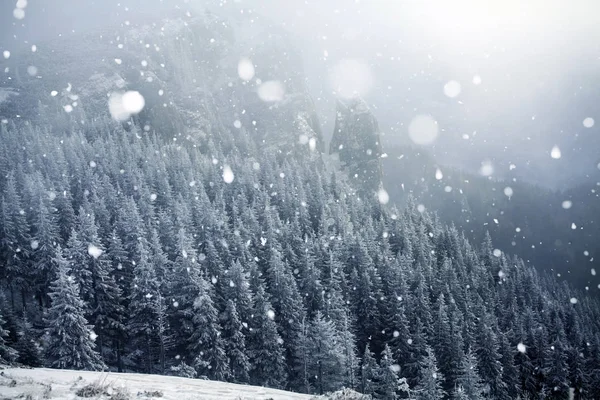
x: 93, y: 336
x: 567, y: 204
x: 35, y: 244
x: 383, y: 196
x: 573, y: 226
x: 573, y: 300
x: 271, y: 314
x: 588, y: 122
x: 522, y: 348
x: 237, y: 124
x: 246, y: 69
x: 271, y: 91
x: 438, y: 174
x: 6, y: 54
x: 423, y: 130
x: 477, y: 80
x: 452, y: 89
x: 122, y: 105
x: 555, y: 153
x: 94, y: 251
x: 508, y: 192
x: 497, y: 252
x: 421, y: 208
x: 19, y: 13
x: 487, y: 168
x: 228, y: 176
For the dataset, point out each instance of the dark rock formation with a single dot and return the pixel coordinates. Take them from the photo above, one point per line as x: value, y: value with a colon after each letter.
x: 356, y: 140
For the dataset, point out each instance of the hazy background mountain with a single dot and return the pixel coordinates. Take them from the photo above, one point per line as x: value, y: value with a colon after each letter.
x: 537, y: 62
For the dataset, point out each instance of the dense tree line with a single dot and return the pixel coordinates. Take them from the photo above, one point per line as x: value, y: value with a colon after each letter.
x: 122, y: 250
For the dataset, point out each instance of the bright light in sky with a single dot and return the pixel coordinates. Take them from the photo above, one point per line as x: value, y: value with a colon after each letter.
x: 473, y: 24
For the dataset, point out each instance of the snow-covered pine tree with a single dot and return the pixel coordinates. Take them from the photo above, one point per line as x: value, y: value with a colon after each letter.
x: 265, y: 345
x: 368, y: 372
x: 142, y: 325
x: 15, y: 242
x: 7, y: 353
x: 27, y: 347
x: 389, y: 385
x: 326, y: 355
x: 70, y: 337
x: 468, y: 383
x: 430, y: 384
x: 206, y: 344
x: 234, y: 343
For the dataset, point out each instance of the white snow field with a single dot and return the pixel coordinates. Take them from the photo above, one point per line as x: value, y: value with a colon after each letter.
x: 55, y: 384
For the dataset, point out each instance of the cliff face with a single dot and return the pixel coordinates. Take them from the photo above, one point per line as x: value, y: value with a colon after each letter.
x: 185, y: 67
x: 356, y: 141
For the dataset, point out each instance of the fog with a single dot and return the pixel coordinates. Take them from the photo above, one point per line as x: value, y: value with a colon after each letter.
x: 526, y: 69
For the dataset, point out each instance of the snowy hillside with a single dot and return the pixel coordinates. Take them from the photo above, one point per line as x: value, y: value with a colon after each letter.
x: 65, y: 384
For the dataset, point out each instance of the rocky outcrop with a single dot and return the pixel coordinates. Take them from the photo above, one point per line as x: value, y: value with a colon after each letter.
x: 357, y: 142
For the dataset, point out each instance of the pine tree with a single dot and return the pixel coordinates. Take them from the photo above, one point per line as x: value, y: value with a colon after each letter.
x: 142, y: 325
x: 303, y: 359
x: 555, y: 371
x: 389, y: 385
x: 350, y: 361
x: 15, y: 241
x: 326, y: 356
x: 7, y: 353
x: 468, y: 384
x: 430, y: 384
x: 234, y: 343
x: 368, y: 371
x: 70, y: 344
x: 183, y: 289
x: 490, y: 367
x: 265, y: 348
x: 206, y: 344
x: 26, y: 346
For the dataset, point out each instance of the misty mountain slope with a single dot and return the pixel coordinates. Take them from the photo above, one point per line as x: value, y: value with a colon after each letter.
x: 201, y: 246
x: 186, y: 68
x: 552, y: 230
x: 64, y: 384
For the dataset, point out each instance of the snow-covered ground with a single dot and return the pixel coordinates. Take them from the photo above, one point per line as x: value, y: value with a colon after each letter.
x: 42, y: 383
